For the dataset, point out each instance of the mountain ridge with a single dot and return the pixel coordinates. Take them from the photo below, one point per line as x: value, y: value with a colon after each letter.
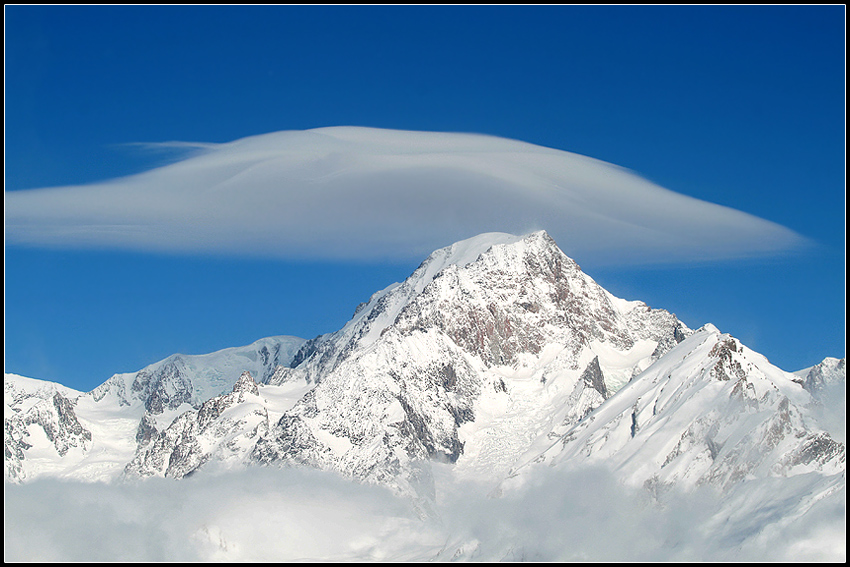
x: 752, y: 416
x: 496, y: 356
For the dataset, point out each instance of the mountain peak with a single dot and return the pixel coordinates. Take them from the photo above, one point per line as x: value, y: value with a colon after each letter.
x: 246, y: 383
x: 467, y: 250
x: 464, y: 252
x: 709, y: 328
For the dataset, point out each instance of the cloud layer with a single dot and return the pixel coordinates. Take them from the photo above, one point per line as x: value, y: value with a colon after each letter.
x: 269, y: 514
x: 364, y: 193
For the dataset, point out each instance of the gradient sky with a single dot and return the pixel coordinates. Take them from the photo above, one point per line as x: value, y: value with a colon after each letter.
x: 739, y: 106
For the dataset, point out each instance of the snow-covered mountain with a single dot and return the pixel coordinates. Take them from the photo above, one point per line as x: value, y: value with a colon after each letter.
x: 40, y: 424
x: 710, y: 412
x: 52, y: 430
x: 489, y: 344
x: 824, y: 375
x: 498, y: 358
x: 223, y: 427
x: 193, y: 379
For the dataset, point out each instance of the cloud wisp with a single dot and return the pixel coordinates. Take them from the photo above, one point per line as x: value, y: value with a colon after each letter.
x: 369, y: 194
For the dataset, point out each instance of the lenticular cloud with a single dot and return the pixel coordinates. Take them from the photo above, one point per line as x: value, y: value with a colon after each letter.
x: 363, y: 193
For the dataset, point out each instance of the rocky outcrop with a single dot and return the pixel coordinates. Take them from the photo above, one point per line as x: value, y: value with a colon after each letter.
x: 167, y: 387
x: 51, y: 411
x: 224, y: 428
x: 593, y: 378
x: 829, y: 372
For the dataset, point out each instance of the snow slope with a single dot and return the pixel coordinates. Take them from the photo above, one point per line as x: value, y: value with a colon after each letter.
x: 711, y: 411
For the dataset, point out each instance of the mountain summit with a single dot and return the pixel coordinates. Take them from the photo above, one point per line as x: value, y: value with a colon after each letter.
x: 489, y: 344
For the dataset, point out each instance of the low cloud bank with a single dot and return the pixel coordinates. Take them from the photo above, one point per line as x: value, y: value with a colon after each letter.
x: 267, y: 514
x: 364, y: 193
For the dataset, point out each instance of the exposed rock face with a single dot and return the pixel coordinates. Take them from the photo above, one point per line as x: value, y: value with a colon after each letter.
x: 223, y: 428
x: 593, y: 378
x: 496, y: 298
x: 166, y: 388
x: 830, y: 372
x: 47, y: 409
x: 147, y: 429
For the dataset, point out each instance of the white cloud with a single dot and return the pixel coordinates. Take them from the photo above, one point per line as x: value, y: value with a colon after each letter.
x: 270, y: 514
x: 363, y: 193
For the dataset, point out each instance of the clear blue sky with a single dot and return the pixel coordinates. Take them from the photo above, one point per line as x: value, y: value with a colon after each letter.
x: 740, y: 106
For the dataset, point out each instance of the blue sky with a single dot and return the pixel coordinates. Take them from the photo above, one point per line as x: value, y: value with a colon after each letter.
x: 738, y: 106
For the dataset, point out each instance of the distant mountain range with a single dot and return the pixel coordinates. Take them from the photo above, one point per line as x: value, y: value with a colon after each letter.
x: 498, y: 356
